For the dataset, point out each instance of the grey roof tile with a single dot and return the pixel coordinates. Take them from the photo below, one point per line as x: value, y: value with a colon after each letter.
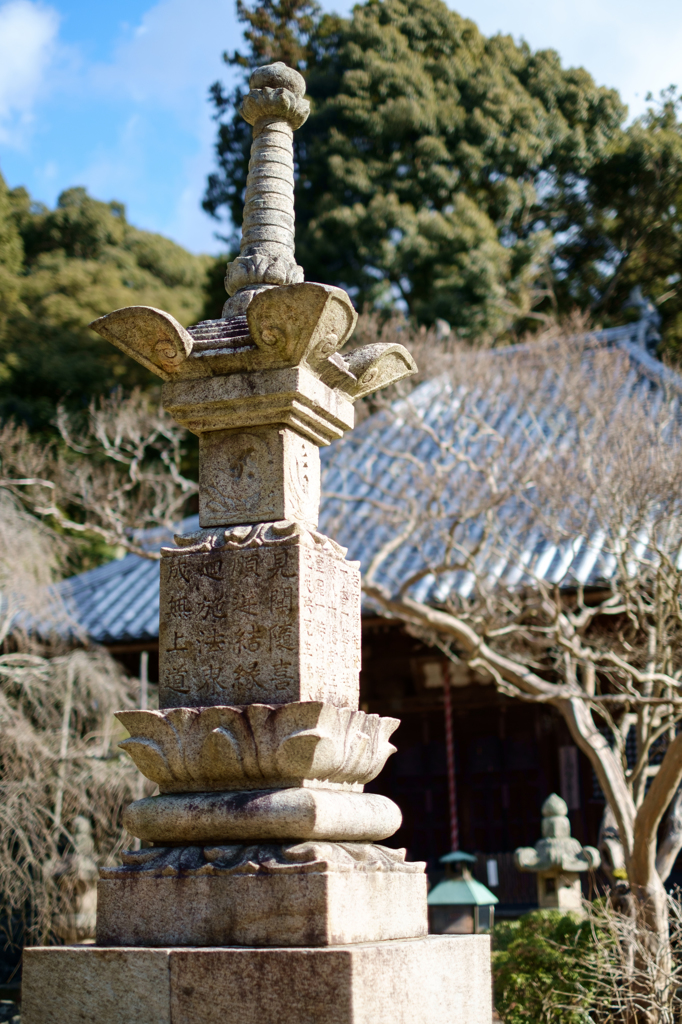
x: 119, y: 602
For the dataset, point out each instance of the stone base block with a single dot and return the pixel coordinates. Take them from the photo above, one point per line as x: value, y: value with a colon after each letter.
x: 297, y: 909
x: 441, y: 979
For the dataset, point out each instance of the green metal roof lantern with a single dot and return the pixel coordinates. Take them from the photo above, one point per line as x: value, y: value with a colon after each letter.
x: 461, y: 892
x: 460, y: 905
x: 456, y: 857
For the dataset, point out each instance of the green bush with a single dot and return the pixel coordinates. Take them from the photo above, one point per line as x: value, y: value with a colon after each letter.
x: 539, y: 968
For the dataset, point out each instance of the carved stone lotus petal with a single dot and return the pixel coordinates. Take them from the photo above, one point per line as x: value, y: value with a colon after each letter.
x: 240, y: 859
x: 220, y: 745
x: 158, y: 750
x: 306, y: 743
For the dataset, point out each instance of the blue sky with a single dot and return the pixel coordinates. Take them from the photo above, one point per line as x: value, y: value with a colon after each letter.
x: 112, y: 95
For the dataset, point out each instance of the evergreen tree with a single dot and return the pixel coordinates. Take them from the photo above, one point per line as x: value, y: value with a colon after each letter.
x: 622, y: 225
x: 62, y: 268
x: 434, y: 161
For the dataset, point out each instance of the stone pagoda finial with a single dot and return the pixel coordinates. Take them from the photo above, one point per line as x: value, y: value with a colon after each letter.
x: 557, y: 859
x: 275, y: 106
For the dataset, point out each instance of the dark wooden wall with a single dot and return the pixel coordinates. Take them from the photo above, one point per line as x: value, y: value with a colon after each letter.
x: 506, y: 754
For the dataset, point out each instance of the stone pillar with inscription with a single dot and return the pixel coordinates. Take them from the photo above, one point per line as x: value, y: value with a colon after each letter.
x: 262, y: 892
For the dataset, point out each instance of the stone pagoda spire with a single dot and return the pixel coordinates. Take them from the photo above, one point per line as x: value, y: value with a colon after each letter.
x: 262, y: 893
x: 275, y: 106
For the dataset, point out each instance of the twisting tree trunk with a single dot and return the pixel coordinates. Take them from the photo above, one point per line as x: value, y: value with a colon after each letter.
x: 582, y: 463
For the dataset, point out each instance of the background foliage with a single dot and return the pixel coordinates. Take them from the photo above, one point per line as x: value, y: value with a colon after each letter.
x: 62, y: 268
x: 463, y: 177
x: 537, y: 969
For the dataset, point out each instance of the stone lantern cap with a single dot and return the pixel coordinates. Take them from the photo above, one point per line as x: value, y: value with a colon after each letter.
x: 557, y: 851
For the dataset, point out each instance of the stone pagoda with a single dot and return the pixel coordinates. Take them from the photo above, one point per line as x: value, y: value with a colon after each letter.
x: 261, y: 894
x: 557, y: 860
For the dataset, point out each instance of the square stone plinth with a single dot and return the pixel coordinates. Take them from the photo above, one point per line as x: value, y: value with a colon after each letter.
x: 293, y: 397
x: 271, y: 625
x: 260, y: 475
x: 297, y: 909
x: 441, y: 979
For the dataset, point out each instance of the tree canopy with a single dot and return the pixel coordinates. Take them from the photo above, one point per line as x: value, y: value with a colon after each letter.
x: 62, y: 268
x: 432, y: 159
x: 460, y: 176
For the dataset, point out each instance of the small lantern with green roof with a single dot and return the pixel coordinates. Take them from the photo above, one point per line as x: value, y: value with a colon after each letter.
x: 459, y: 905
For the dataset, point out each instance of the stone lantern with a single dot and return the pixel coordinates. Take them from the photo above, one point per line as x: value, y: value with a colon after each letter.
x: 557, y: 859
x: 460, y: 905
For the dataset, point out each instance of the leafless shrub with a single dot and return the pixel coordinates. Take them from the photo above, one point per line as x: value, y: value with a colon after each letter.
x: 117, y: 471
x: 58, y: 756
x: 629, y: 977
x: 510, y: 462
x: 58, y: 760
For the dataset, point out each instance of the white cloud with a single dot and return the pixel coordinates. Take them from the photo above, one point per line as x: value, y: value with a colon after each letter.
x: 173, y: 55
x: 164, y: 66
x: 28, y: 31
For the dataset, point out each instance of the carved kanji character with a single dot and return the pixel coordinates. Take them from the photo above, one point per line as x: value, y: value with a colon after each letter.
x: 212, y: 640
x: 180, y: 606
x: 249, y: 638
x: 178, y: 683
x: 211, y: 682
x: 247, y: 674
x: 213, y: 569
x: 179, y: 572
x: 282, y: 601
x: 283, y: 674
x: 283, y: 635
x: 283, y: 564
x: 251, y: 563
x: 213, y: 609
x: 178, y: 644
x: 244, y: 602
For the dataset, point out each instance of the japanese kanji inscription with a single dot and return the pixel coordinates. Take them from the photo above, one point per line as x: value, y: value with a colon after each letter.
x: 274, y: 624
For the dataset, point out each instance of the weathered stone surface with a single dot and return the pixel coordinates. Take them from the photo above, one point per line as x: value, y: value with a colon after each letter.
x: 258, y: 475
x: 368, y: 369
x: 262, y: 613
x: 262, y: 858
x: 302, y: 324
x: 436, y: 980
x: 259, y: 746
x: 439, y: 979
x: 273, y: 624
x: 291, y: 397
x: 275, y: 106
x: 272, y: 815
x: 557, y: 859
x: 557, y: 850
x: 153, y: 338
x: 284, y: 909
x: 87, y: 985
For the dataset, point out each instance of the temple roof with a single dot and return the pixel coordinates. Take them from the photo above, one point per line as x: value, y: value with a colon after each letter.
x: 118, y: 603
